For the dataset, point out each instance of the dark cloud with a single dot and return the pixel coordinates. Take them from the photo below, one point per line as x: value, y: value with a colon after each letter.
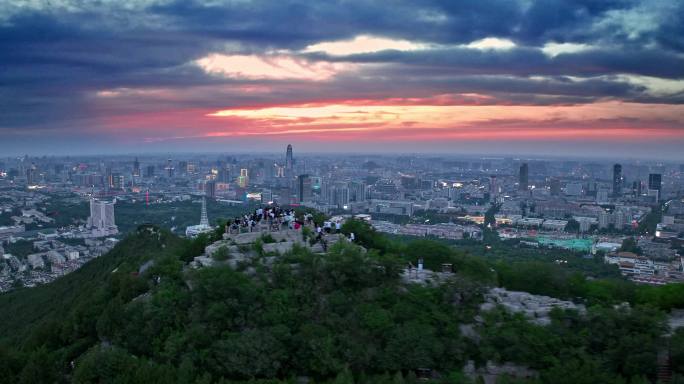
x: 53, y: 62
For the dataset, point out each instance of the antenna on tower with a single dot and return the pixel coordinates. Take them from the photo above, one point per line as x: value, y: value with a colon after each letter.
x: 204, y: 220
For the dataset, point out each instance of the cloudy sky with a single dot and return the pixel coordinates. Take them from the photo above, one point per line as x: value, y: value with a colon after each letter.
x: 560, y: 77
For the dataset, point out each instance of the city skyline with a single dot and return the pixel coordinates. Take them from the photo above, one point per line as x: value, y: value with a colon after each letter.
x: 577, y: 79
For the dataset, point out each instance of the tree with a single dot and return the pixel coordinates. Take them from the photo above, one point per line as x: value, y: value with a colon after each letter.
x: 572, y: 226
x: 629, y: 244
x: 677, y: 351
x: 105, y: 364
x: 40, y: 368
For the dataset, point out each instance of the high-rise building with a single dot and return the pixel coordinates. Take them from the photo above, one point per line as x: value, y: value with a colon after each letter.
x: 655, y: 185
x: 604, y: 219
x: 243, y: 179
x: 493, y: 187
x: 304, y: 188
x: 210, y: 189
x: 31, y: 175
x: 116, y: 181
x: 555, y: 187
x: 341, y: 196
x: 523, y: 177
x: 289, y: 159
x: 224, y: 175
x: 169, y: 168
x: 289, y: 166
x: 357, y: 191
x: 279, y: 171
x: 617, y: 180
x: 149, y: 171
x: 655, y: 181
x: 136, y: 167
x: 101, y: 220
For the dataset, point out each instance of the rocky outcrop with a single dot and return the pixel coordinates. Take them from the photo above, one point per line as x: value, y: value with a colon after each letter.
x: 491, y: 371
x: 534, y: 307
x: 241, y: 247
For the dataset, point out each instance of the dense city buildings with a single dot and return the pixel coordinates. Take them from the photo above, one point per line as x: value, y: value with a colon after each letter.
x: 574, y: 204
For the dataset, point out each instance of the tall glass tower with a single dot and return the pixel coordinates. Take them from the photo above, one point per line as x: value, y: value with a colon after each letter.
x: 523, y: 181
x: 617, y: 180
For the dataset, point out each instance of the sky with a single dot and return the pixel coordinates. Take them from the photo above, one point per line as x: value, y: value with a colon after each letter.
x: 601, y: 78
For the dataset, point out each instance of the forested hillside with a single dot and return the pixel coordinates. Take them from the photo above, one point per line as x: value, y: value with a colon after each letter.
x: 345, y: 316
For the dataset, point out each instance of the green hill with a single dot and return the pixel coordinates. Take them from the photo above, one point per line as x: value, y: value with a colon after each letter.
x: 25, y: 309
x: 345, y: 316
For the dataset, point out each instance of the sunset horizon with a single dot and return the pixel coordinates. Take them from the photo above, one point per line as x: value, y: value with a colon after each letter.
x: 569, y: 78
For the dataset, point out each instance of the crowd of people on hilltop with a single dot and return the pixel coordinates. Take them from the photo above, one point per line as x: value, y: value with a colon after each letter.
x: 277, y: 218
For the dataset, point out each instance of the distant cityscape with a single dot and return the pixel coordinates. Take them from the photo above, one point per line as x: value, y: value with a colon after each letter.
x: 591, y: 207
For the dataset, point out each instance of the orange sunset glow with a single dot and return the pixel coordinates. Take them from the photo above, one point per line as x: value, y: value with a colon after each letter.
x: 333, y: 77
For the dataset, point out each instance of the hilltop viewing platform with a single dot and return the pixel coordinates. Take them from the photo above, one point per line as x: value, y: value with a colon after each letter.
x: 238, y: 247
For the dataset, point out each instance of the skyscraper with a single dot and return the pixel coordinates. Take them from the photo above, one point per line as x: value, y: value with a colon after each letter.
x: 357, y: 191
x: 304, y: 188
x: 210, y: 189
x: 617, y: 180
x: 289, y: 167
x: 340, y: 195
x: 493, y: 187
x: 169, y: 168
x: 101, y: 220
x: 136, y: 167
x: 555, y: 187
x: 655, y: 182
x: 243, y: 179
x: 289, y: 160
x: 149, y: 171
x: 524, y: 177
x: 31, y: 175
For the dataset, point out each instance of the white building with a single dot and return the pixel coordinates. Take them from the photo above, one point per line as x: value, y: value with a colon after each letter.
x: 631, y: 264
x: 7, y: 232
x: 555, y: 225
x: 35, y: 260
x: 101, y: 220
